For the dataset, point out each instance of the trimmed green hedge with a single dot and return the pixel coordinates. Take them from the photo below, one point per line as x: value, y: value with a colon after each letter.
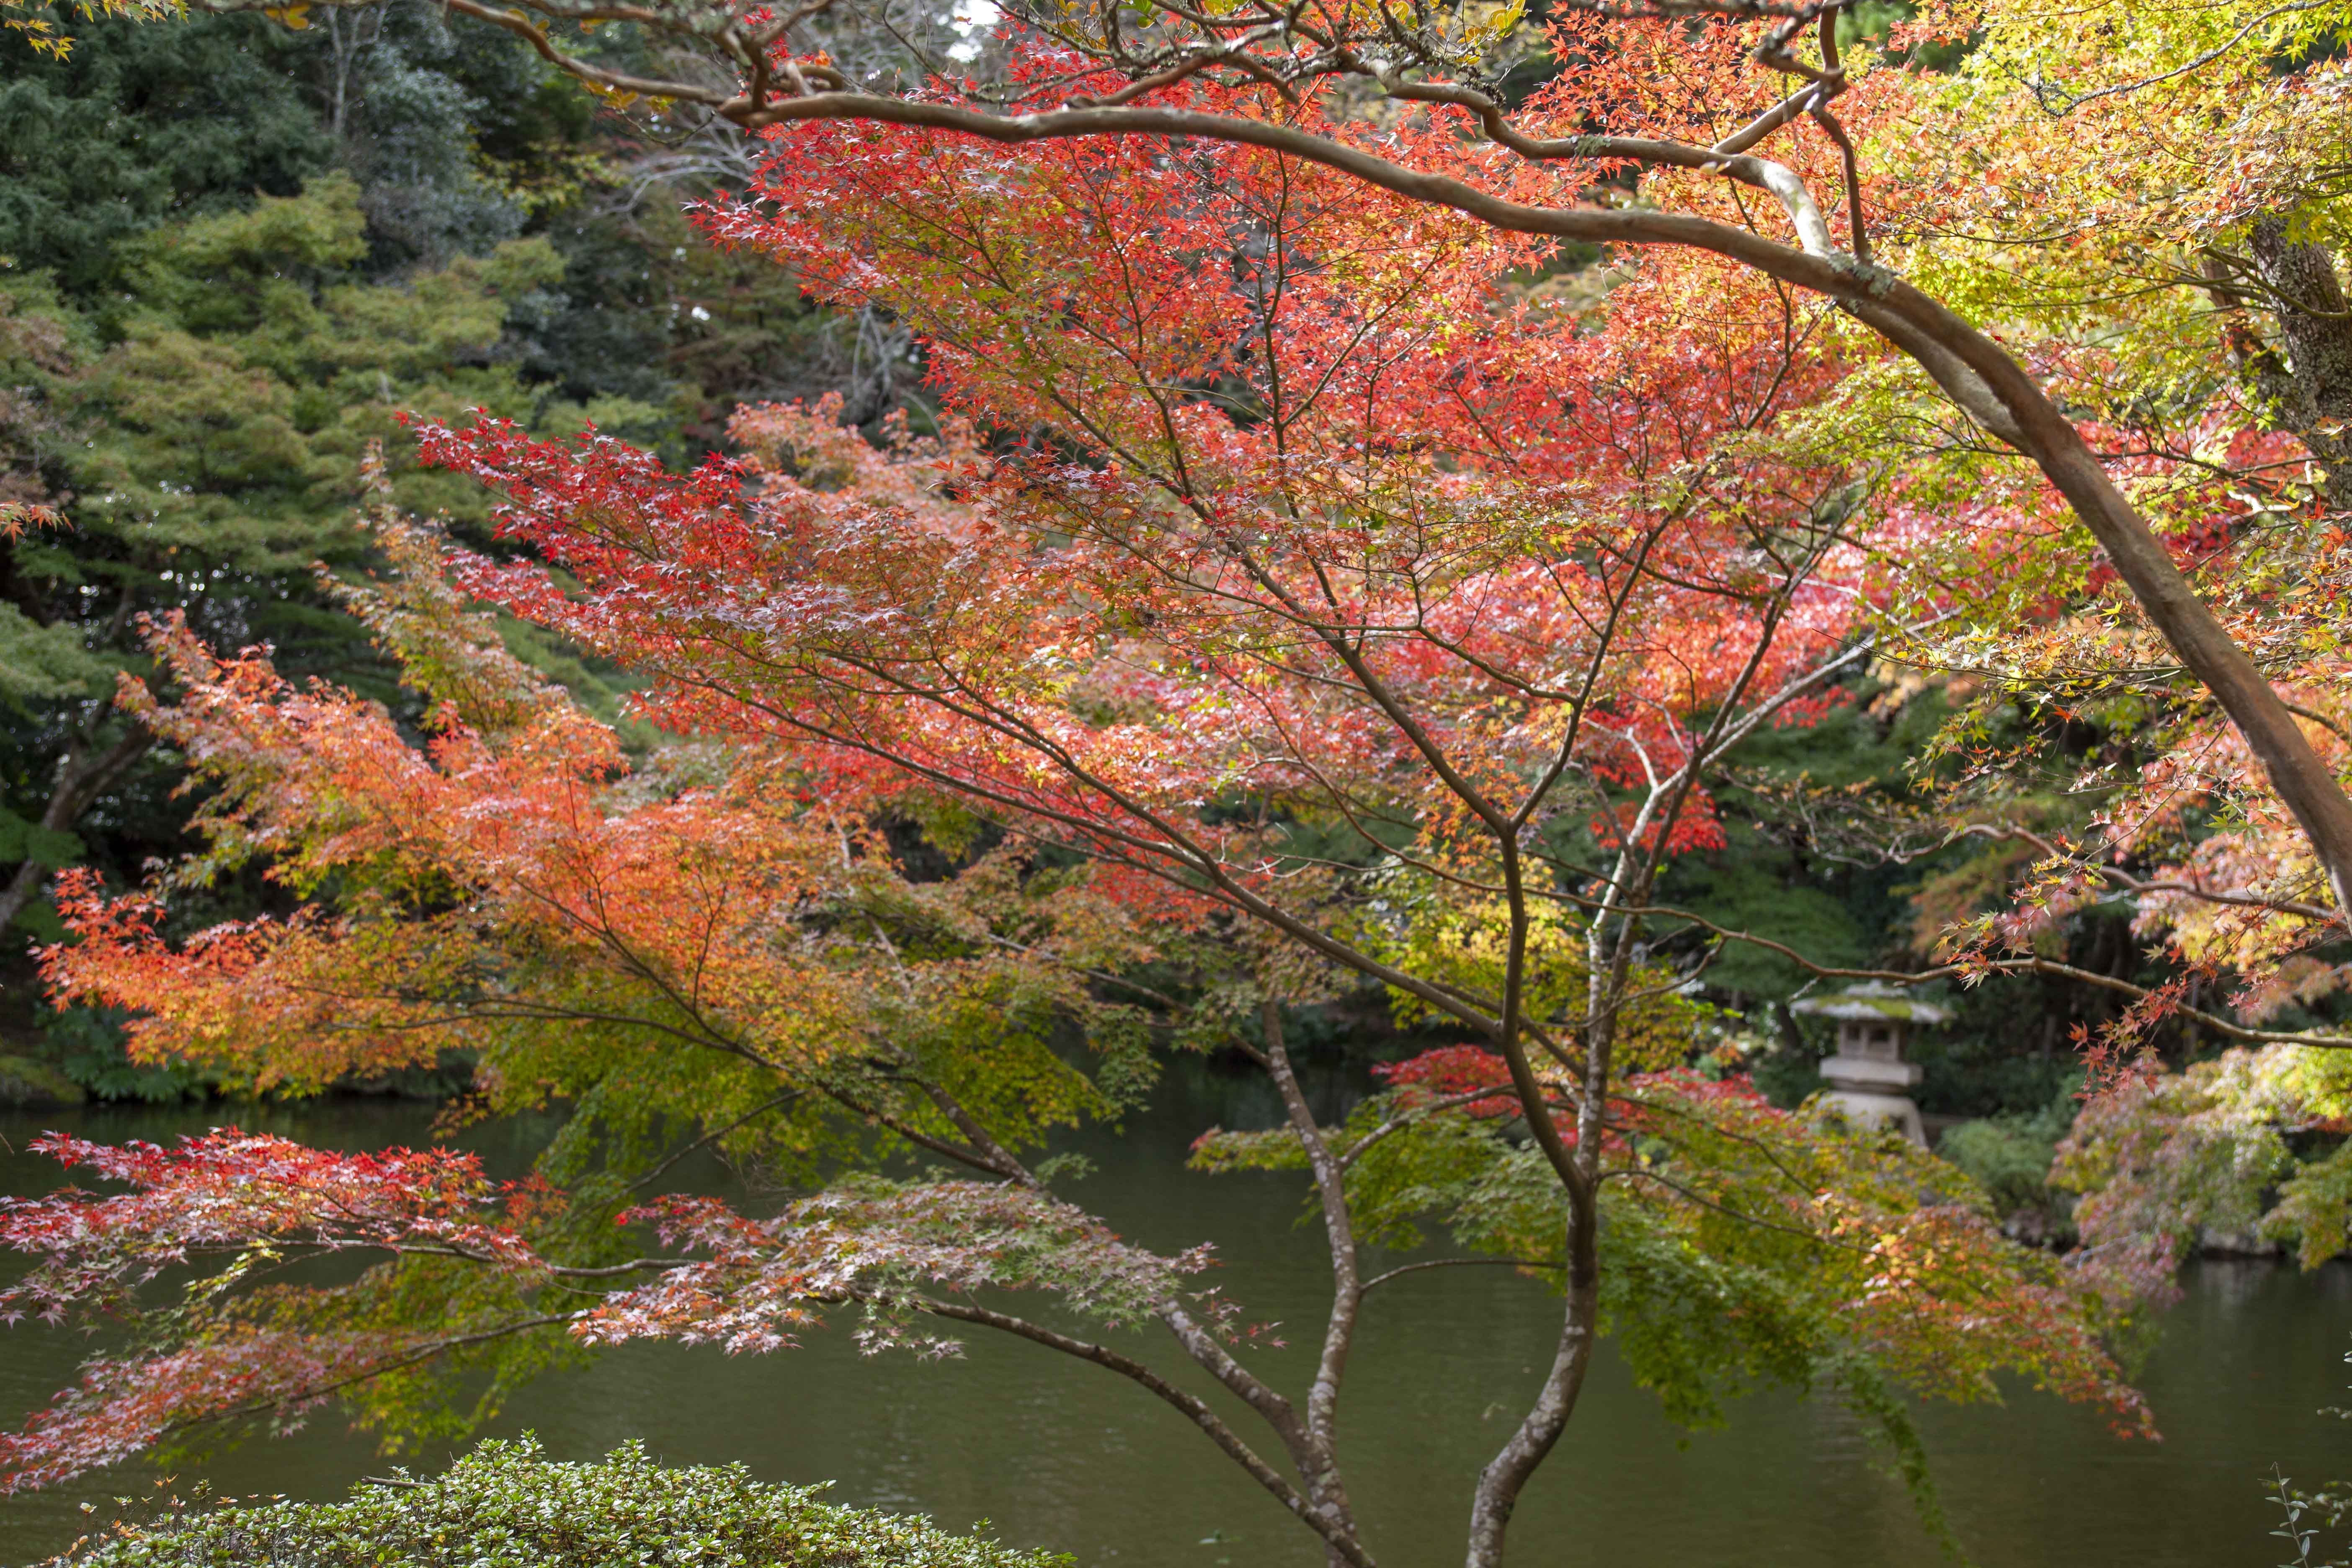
x: 505, y: 1505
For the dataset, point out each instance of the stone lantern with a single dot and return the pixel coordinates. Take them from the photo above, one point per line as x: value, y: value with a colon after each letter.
x: 1867, y: 1076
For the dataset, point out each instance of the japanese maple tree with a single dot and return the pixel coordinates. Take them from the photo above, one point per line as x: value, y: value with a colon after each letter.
x: 2014, y: 282
x: 1327, y: 604
x: 2084, y: 265
x: 1755, y: 138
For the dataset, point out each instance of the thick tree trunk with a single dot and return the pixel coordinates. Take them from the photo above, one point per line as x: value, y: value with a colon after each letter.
x: 1990, y: 385
x: 2314, y: 395
x: 2303, y: 780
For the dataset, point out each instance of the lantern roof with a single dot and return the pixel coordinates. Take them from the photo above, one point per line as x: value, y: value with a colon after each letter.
x: 1872, y: 999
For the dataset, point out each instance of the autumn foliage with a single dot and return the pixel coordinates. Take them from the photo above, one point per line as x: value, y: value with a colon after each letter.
x: 1255, y: 698
x: 1306, y: 589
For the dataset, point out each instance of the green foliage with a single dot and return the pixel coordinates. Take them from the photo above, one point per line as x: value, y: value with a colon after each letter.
x: 1741, y: 1246
x: 1465, y: 945
x: 142, y: 124
x: 1783, y: 874
x: 2004, y: 1052
x: 738, y: 328
x: 40, y: 662
x: 2246, y: 1146
x: 2315, y: 1207
x: 26, y: 1083
x: 224, y: 403
x: 45, y: 847
x: 206, y: 428
x: 86, y: 1046
x: 2009, y: 1157
x: 506, y: 1505
x: 232, y: 251
x: 1756, y: 888
x: 252, y: 366
x: 1695, y: 1326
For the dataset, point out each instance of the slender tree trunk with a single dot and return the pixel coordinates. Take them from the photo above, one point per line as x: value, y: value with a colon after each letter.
x: 2303, y: 780
x: 1325, y: 1485
x: 1505, y: 1475
x: 83, y: 774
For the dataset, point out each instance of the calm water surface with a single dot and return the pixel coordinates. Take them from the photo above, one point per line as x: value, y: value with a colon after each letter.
x: 1068, y: 1457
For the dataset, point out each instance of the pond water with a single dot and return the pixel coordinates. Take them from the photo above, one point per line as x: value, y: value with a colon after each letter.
x: 1068, y: 1457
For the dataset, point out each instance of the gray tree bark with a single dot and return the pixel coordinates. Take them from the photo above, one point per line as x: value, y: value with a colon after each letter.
x: 2313, y: 386
x: 83, y: 774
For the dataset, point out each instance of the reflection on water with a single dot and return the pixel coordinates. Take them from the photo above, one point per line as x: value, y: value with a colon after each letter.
x: 1069, y: 1457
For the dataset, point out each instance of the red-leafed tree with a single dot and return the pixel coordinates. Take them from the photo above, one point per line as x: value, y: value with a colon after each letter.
x: 1759, y: 142
x: 1327, y: 604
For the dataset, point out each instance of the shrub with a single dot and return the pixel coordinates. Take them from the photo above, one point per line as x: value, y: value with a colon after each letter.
x: 505, y: 1505
x: 2009, y: 1157
x: 34, y: 1086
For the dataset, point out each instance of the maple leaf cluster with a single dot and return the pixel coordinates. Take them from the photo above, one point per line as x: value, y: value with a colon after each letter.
x: 457, y: 1263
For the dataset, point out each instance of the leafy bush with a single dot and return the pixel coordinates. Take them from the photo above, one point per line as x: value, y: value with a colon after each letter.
x: 33, y: 1085
x: 505, y: 1505
x: 2009, y: 1157
x: 91, y: 1051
